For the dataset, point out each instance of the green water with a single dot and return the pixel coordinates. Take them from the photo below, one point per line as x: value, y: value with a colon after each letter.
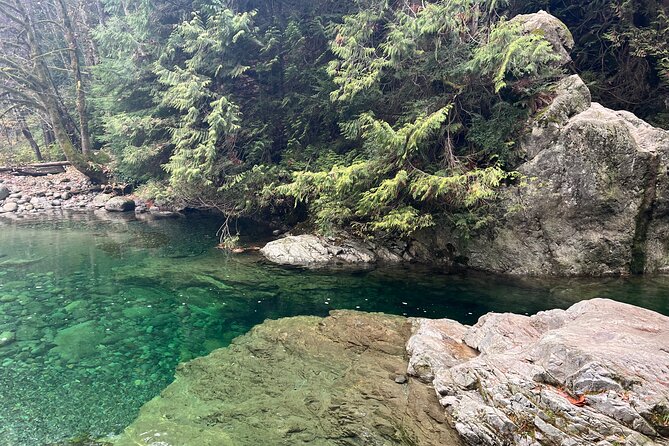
x: 103, y: 311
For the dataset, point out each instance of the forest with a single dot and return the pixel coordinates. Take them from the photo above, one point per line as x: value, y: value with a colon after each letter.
x: 379, y: 116
x: 327, y: 222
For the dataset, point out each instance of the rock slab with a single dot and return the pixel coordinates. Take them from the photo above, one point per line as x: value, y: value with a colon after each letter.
x: 595, y: 374
x: 299, y: 381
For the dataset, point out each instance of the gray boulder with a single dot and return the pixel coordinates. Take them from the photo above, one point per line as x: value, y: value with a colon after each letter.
x: 552, y: 29
x: 314, y: 251
x: 4, y: 192
x: 100, y: 200
x: 595, y: 202
x: 120, y: 204
x: 596, y: 373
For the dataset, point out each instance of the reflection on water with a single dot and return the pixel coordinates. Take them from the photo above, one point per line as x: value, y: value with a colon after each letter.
x: 96, y: 314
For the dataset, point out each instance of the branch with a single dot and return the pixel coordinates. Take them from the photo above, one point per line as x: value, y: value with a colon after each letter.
x: 10, y: 91
x: 27, y: 77
x: 5, y: 6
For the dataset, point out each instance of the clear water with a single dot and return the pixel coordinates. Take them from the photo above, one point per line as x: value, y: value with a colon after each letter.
x: 104, y: 310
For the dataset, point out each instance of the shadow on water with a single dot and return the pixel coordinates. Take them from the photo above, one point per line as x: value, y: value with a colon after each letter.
x: 100, y: 312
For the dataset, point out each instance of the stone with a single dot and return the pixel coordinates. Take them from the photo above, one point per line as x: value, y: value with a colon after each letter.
x: 313, y: 251
x: 552, y: 29
x: 436, y: 345
x: 6, y: 338
x: 78, y: 341
x: 120, y: 204
x: 4, y: 192
x: 10, y: 207
x: 298, y: 381
x: 100, y: 200
x: 610, y: 356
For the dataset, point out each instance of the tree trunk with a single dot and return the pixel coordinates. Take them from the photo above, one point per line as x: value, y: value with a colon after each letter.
x: 78, y: 82
x: 49, y: 137
x: 48, y: 98
x: 29, y: 137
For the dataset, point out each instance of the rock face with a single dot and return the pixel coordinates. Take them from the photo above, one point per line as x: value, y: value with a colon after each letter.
x: 119, y: 204
x: 595, y: 374
x: 298, y: 381
x: 314, y: 251
x: 596, y: 200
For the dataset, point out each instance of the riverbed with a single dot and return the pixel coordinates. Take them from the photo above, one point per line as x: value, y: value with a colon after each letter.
x: 98, y: 312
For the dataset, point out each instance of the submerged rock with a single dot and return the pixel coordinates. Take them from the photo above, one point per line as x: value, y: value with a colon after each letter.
x: 301, y: 380
x: 597, y: 373
x: 6, y: 338
x: 78, y: 341
x: 314, y: 251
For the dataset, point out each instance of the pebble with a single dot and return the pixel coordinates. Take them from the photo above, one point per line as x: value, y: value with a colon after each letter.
x: 401, y: 379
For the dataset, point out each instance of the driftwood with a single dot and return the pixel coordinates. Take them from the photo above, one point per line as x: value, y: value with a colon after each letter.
x: 37, y: 170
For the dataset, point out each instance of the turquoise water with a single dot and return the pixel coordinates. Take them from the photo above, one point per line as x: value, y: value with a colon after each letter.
x: 101, y: 311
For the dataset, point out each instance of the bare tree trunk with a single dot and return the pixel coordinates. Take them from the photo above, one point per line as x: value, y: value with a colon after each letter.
x: 29, y: 137
x: 48, y: 135
x: 83, y: 23
x: 78, y: 82
x: 48, y: 98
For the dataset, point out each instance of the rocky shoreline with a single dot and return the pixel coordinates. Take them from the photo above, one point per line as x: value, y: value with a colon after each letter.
x: 71, y: 191
x: 595, y: 374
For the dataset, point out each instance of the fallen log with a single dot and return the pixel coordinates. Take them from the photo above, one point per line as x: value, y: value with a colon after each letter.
x: 50, y: 164
x: 37, y: 169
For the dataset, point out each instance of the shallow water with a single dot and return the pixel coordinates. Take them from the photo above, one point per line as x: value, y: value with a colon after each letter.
x: 104, y: 310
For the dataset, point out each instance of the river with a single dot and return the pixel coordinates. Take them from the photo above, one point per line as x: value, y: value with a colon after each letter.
x: 97, y: 313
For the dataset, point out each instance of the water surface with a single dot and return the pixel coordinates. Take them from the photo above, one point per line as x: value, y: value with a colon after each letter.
x: 103, y: 311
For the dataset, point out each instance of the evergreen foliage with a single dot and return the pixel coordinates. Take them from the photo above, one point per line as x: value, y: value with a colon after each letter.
x: 384, y: 117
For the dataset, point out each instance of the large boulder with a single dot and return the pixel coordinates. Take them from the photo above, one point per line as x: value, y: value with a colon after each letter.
x: 299, y: 381
x: 119, y: 204
x: 594, y: 199
x: 552, y: 29
x: 314, y: 251
x: 595, y: 374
